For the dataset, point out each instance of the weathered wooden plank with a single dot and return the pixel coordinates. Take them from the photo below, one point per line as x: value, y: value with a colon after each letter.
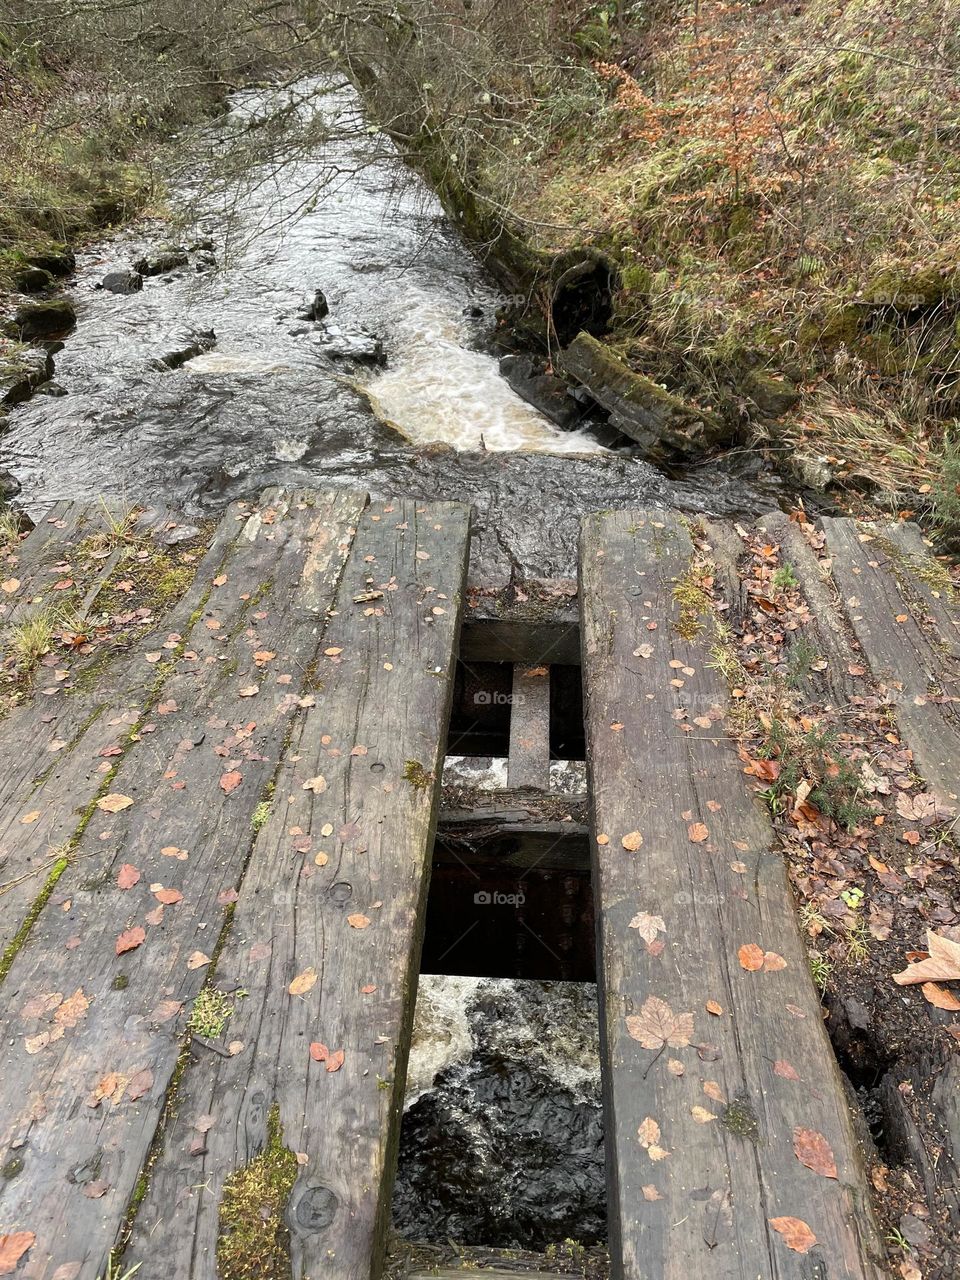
x: 533, y: 641
x: 54, y: 746
x: 896, y: 598
x: 90, y: 1027
x: 528, y: 762
x: 704, y: 1101
x: 332, y: 903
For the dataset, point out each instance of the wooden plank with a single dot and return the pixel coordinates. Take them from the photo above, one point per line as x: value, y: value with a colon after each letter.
x: 528, y: 762
x: 528, y: 640
x: 91, y: 1028
x: 54, y: 746
x: 896, y: 597
x: 700, y: 1121
x: 335, y: 891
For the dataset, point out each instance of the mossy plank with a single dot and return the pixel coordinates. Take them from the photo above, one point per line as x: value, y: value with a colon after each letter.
x: 327, y: 931
x: 193, y: 774
x: 900, y: 603
x: 699, y: 1122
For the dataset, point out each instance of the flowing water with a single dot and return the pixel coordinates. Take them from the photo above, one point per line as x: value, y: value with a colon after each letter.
x: 502, y: 1139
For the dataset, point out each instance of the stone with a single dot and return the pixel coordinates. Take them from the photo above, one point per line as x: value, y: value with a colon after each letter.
x: 51, y: 388
x: 32, y: 280
x: 317, y: 308
x: 359, y: 346
x: 9, y: 485
x: 123, y: 282
x: 44, y: 318
x: 193, y: 342
x: 773, y: 396
x: 545, y: 391
x: 166, y: 258
x: 22, y: 374
x: 59, y: 261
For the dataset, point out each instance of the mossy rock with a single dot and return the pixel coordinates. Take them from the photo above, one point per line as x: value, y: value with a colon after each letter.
x: 841, y: 327
x: 907, y: 291
x: 57, y: 259
x: 773, y: 396
x: 45, y: 318
x: 32, y: 280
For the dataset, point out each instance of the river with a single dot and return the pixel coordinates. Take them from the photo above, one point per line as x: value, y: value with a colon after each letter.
x: 502, y: 1141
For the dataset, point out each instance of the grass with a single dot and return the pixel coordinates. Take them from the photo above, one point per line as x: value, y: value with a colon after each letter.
x: 820, y: 971
x: 30, y: 640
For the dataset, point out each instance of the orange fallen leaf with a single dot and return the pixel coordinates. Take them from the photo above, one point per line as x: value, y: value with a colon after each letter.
x: 130, y: 939
x: 750, y: 957
x: 632, y: 841
x: 796, y: 1234
x: 319, y: 1052
x: 714, y: 1008
x: 335, y: 1060
x: 697, y: 832
x: 813, y: 1150
x: 230, y: 781
x: 358, y: 920
x: 13, y: 1246
x: 303, y: 982
x: 114, y: 802
x: 32, y: 816
x: 940, y: 997
x: 127, y: 876
x: 169, y: 897
x: 785, y: 1070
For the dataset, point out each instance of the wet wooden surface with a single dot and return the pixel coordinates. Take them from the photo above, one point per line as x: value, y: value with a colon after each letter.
x: 715, y: 1060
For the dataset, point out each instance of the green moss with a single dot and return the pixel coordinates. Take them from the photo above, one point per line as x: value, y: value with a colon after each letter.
x: 210, y: 1013
x: 694, y: 603
x: 418, y: 777
x: 739, y: 1117
x: 18, y: 939
x: 12, y: 1168
x: 254, y: 1242
x: 120, y: 982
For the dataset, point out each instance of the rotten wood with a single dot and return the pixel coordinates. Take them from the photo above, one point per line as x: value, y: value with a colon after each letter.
x: 715, y: 1059
x: 528, y: 762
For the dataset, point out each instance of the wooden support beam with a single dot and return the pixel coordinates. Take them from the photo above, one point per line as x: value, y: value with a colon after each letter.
x: 528, y: 763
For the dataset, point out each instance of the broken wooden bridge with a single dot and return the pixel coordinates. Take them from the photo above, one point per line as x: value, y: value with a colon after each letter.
x: 215, y: 880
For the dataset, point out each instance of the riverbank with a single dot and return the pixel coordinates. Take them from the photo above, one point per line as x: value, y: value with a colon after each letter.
x: 746, y: 203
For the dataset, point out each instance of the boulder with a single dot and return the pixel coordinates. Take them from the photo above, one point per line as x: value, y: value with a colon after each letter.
x: 9, y: 485
x: 545, y: 391
x: 44, y: 318
x: 167, y: 258
x: 772, y: 396
x: 20, y: 375
x: 667, y: 428
x: 360, y: 346
x: 193, y: 342
x: 124, y: 282
x: 59, y: 261
x: 53, y: 389
x: 205, y: 261
x: 32, y: 280
x: 204, y: 244
x: 317, y: 308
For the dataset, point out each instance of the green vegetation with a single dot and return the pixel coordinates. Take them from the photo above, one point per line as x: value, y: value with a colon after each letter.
x: 210, y: 1013
x: 254, y: 1243
x: 812, y: 756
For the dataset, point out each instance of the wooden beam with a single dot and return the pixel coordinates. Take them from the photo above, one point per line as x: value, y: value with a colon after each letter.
x: 528, y: 762
x: 717, y: 1069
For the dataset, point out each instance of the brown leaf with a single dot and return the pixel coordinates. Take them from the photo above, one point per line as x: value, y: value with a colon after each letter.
x: 656, y: 1025
x: 114, y: 802
x: 358, y: 920
x: 750, y: 957
x: 632, y: 841
x: 796, y: 1234
x: 75, y: 1007
x: 647, y: 926
x: 231, y: 780
x: 940, y: 997
x: 943, y: 964
x: 319, y: 1052
x: 127, y: 876
x: 130, y: 939
x: 303, y: 982
x: 713, y: 1007
x: 784, y: 1069
x: 12, y: 1249
x: 317, y: 785
x: 335, y: 1060
x: 697, y: 832
x: 772, y: 962
x: 197, y: 959
x: 141, y: 1082
x: 169, y: 897
x: 812, y: 1149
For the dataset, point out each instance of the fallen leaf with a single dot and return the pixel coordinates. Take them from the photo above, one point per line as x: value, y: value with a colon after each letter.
x: 942, y: 965
x: 303, y: 982
x: 197, y: 959
x: 335, y: 1060
x: 358, y: 920
x: 647, y: 926
x: 317, y: 785
x: 697, y: 832
x: 632, y: 841
x: 657, y: 1025
x: 813, y: 1150
x: 784, y: 1069
x: 319, y: 1052
x: 231, y: 780
x: 796, y: 1234
x: 32, y: 816
x: 650, y: 1192
x: 713, y: 1007
x: 750, y: 957
x: 75, y: 1007
x: 130, y: 939
x: 127, y: 876
x: 249, y: 691
x: 940, y: 997
x: 14, y: 1245
x: 114, y: 803
x: 169, y: 897
x: 10, y: 585
x: 141, y: 1082
x: 702, y: 1115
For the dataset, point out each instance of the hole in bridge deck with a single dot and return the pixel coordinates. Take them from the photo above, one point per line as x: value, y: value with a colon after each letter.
x: 502, y: 1138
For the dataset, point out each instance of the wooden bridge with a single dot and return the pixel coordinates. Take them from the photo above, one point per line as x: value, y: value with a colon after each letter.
x: 215, y: 854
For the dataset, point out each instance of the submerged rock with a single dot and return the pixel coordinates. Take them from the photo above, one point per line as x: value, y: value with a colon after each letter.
x: 44, y: 318
x: 667, y: 428
x: 359, y: 346
x: 167, y: 258
x: 189, y: 344
x: 20, y: 376
x: 122, y: 282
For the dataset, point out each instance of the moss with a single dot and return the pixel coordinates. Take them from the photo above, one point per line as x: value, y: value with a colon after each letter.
x: 694, y: 603
x: 254, y: 1242
x: 739, y: 1117
x: 12, y: 1168
x: 418, y: 777
x: 18, y: 939
x: 120, y: 982
x: 210, y: 1013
